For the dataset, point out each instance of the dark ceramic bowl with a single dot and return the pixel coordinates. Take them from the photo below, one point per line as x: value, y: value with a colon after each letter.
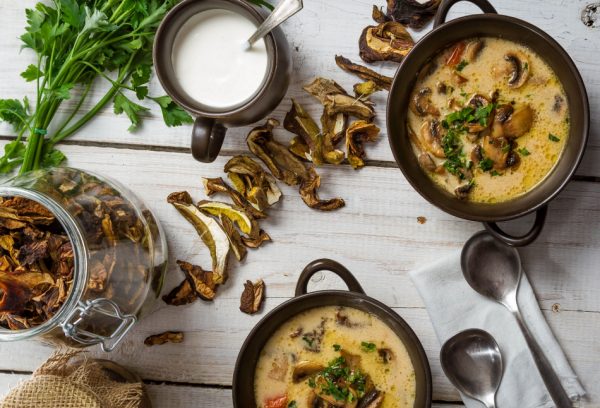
x: 489, y: 24
x: 243, y: 376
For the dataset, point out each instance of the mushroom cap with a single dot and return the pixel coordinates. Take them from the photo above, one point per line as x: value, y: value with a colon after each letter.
x: 421, y: 105
x: 520, y: 69
x: 431, y: 131
x: 305, y: 369
x: 474, y: 50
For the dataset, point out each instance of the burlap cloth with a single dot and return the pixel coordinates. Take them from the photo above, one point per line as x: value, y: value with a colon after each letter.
x: 62, y: 383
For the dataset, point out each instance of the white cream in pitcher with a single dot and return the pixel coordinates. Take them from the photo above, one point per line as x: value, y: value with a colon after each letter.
x: 210, y: 62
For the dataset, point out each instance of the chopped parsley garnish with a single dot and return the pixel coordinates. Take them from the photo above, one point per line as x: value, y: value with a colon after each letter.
x: 471, y: 182
x: 451, y: 89
x: 525, y: 65
x: 462, y: 65
x: 307, y: 341
x: 486, y: 164
x: 330, y: 378
x: 495, y: 173
x: 505, y: 149
x: 292, y: 404
x: 523, y: 151
x: 553, y: 138
x: 491, y: 141
x: 567, y: 120
x: 368, y: 347
x: 463, y: 94
x: 337, y: 347
x: 528, y: 96
x: 482, y: 113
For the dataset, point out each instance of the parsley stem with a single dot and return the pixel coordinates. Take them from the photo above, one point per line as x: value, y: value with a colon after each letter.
x: 66, y: 122
x: 124, y: 73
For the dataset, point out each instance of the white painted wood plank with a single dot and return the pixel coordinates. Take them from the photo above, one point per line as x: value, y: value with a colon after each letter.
x: 320, y: 31
x: 376, y: 236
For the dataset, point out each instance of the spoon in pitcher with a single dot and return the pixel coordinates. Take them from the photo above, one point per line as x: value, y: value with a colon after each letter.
x: 493, y: 270
x: 472, y: 362
x: 284, y: 10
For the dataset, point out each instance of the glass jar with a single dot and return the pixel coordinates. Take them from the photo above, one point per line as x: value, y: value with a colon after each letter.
x: 119, y: 255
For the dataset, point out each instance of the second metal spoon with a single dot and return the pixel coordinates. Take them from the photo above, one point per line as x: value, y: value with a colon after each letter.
x: 472, y: 362
x: 494, y: 271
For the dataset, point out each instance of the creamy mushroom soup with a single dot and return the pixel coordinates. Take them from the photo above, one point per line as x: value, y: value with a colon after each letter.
x: 331, y: 356
x: 488, y: 119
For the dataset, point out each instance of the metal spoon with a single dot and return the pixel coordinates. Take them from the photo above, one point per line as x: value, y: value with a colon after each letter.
x: 284, y: 10
x: 472, y: 362
x: 494, y: 271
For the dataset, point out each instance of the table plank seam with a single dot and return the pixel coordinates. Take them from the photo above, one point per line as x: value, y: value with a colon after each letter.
x: 232, y: 153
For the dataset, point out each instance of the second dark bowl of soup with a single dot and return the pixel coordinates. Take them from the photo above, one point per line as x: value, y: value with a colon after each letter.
x: 247, y: 387
x: 445, y: 35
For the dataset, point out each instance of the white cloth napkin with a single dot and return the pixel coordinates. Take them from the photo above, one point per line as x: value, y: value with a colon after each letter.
x: 454, y: 306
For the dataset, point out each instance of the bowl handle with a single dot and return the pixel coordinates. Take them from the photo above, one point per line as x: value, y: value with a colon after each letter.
x: 328, y: 265
x: 444, y: 8
x: 538, y: 225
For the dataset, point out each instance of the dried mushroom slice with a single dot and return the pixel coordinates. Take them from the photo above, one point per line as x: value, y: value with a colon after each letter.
x: 411, y: 13
x: 334, y: 127
x: 359, y: 132
x: 379, y: 16
x: 364, y: 90
x: 214, y: 185
x: 308, y: 191
x: 18, y: 287
x: 364, y: 72
x: 26, y: 207
x: 336, y: 101
x: 181, y: 295
x: 252, y: 182
x: 299, y: 122
x: 280, y: 161
x: 166, y: 337
x: 244, y: 221
x: 212, y: 235
x: 180, y: 197
x: 252, y: 296
x: 255, y: 243
x: 201, y: 281
x: 387, y: 42
x: 235, y: 239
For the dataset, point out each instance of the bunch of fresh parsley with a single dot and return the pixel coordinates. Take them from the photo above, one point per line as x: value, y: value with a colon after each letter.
x: 75, y: 41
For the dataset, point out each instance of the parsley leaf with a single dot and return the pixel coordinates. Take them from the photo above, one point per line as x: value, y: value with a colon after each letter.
x: 173, y: 114
x: 14, y: 112
x: 495, y: 173
x: 52, y: 158
x: 261, y: 3
x: 307, y: 341
x: 32, y: 73
x: 553, y: 138
x: 486, y: 164
x: 523, y: 151
x: 337, y: 347
x: 368, y: 347
x: 462, y: 65
x: 292, y: 404
x: 505, y: 149
x: 15, y: 157
x: 567, y: 120
x: 122, y: 104
x: 63, y: 92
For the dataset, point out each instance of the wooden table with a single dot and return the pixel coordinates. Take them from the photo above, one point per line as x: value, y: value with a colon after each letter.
x: 376, y: 235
